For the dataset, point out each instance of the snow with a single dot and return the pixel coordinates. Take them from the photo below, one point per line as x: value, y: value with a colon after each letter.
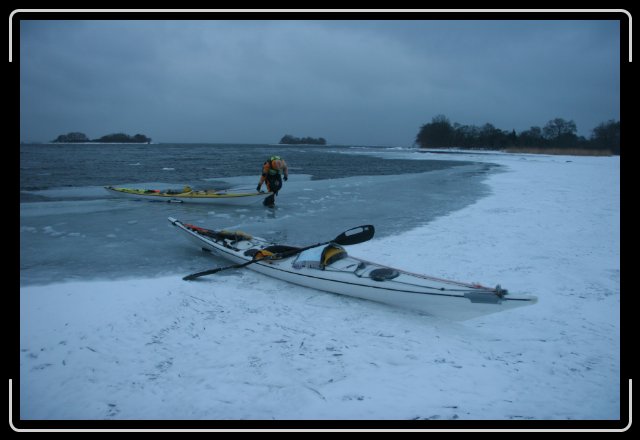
x: 240, y: 346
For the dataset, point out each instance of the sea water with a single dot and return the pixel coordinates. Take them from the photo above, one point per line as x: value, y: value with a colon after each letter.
x: 71, y: 228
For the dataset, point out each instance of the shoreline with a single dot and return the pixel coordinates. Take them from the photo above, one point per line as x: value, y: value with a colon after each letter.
x: 523, y: 151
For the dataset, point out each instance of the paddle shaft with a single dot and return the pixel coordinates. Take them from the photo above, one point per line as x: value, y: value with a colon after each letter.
x: 217, y: 269
x: 255, y: 260
x: 351, y: 236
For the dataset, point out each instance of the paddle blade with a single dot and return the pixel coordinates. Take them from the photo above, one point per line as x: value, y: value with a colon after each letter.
x: 356, y: 235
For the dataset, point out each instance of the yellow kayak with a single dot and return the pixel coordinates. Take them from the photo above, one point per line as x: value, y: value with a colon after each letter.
x: 190, y: 196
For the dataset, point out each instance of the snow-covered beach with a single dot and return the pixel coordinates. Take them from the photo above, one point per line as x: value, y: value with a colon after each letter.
x: 241, y: 346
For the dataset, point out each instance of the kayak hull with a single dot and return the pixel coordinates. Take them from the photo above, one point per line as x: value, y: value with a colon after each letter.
x: 202, y: 197
x: 357, y: 278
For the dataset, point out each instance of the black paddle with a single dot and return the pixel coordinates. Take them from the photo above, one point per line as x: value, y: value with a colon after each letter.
x: 356, y: 235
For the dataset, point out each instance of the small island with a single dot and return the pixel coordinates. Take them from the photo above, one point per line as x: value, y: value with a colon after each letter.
x: 292, y: 140
x: 115, y: 138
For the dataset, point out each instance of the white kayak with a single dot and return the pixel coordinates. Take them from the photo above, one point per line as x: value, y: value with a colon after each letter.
x: 188, y: 195
x: 328, y: 267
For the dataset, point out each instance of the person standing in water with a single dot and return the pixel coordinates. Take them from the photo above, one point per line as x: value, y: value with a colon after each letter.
x: 273, y: 171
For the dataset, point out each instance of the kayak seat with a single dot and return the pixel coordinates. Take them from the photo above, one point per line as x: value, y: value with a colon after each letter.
x: 332, y: 253
x: 319, y: 258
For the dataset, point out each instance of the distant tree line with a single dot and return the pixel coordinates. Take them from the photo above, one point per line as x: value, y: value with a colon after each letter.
x: 288, y: 139
x: 109, y: 138
x: 557, y: 134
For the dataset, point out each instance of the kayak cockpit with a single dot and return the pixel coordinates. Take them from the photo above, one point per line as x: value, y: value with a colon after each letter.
x: 274, y: 250
x: 320, y: 257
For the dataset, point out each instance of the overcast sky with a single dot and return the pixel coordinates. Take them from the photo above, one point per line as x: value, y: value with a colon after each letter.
x: 351, y: 82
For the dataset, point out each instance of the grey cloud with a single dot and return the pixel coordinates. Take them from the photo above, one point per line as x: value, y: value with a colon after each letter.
x: 352, y: 82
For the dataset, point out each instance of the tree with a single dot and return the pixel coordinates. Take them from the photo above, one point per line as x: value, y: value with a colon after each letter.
x: 492, y: 137
x: 72, y: 137
x: 115, y: 137
x: 438, y: 133
x: 140, y: 138
x: 558, y: 133
x: 606, y: 136
x: 466, y: 135
x: 558, y: 127
x: 123, y: 138
x: 561, y: 133
x: 292, y: 140
x: 532, y: 138
x: 288, y: 139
